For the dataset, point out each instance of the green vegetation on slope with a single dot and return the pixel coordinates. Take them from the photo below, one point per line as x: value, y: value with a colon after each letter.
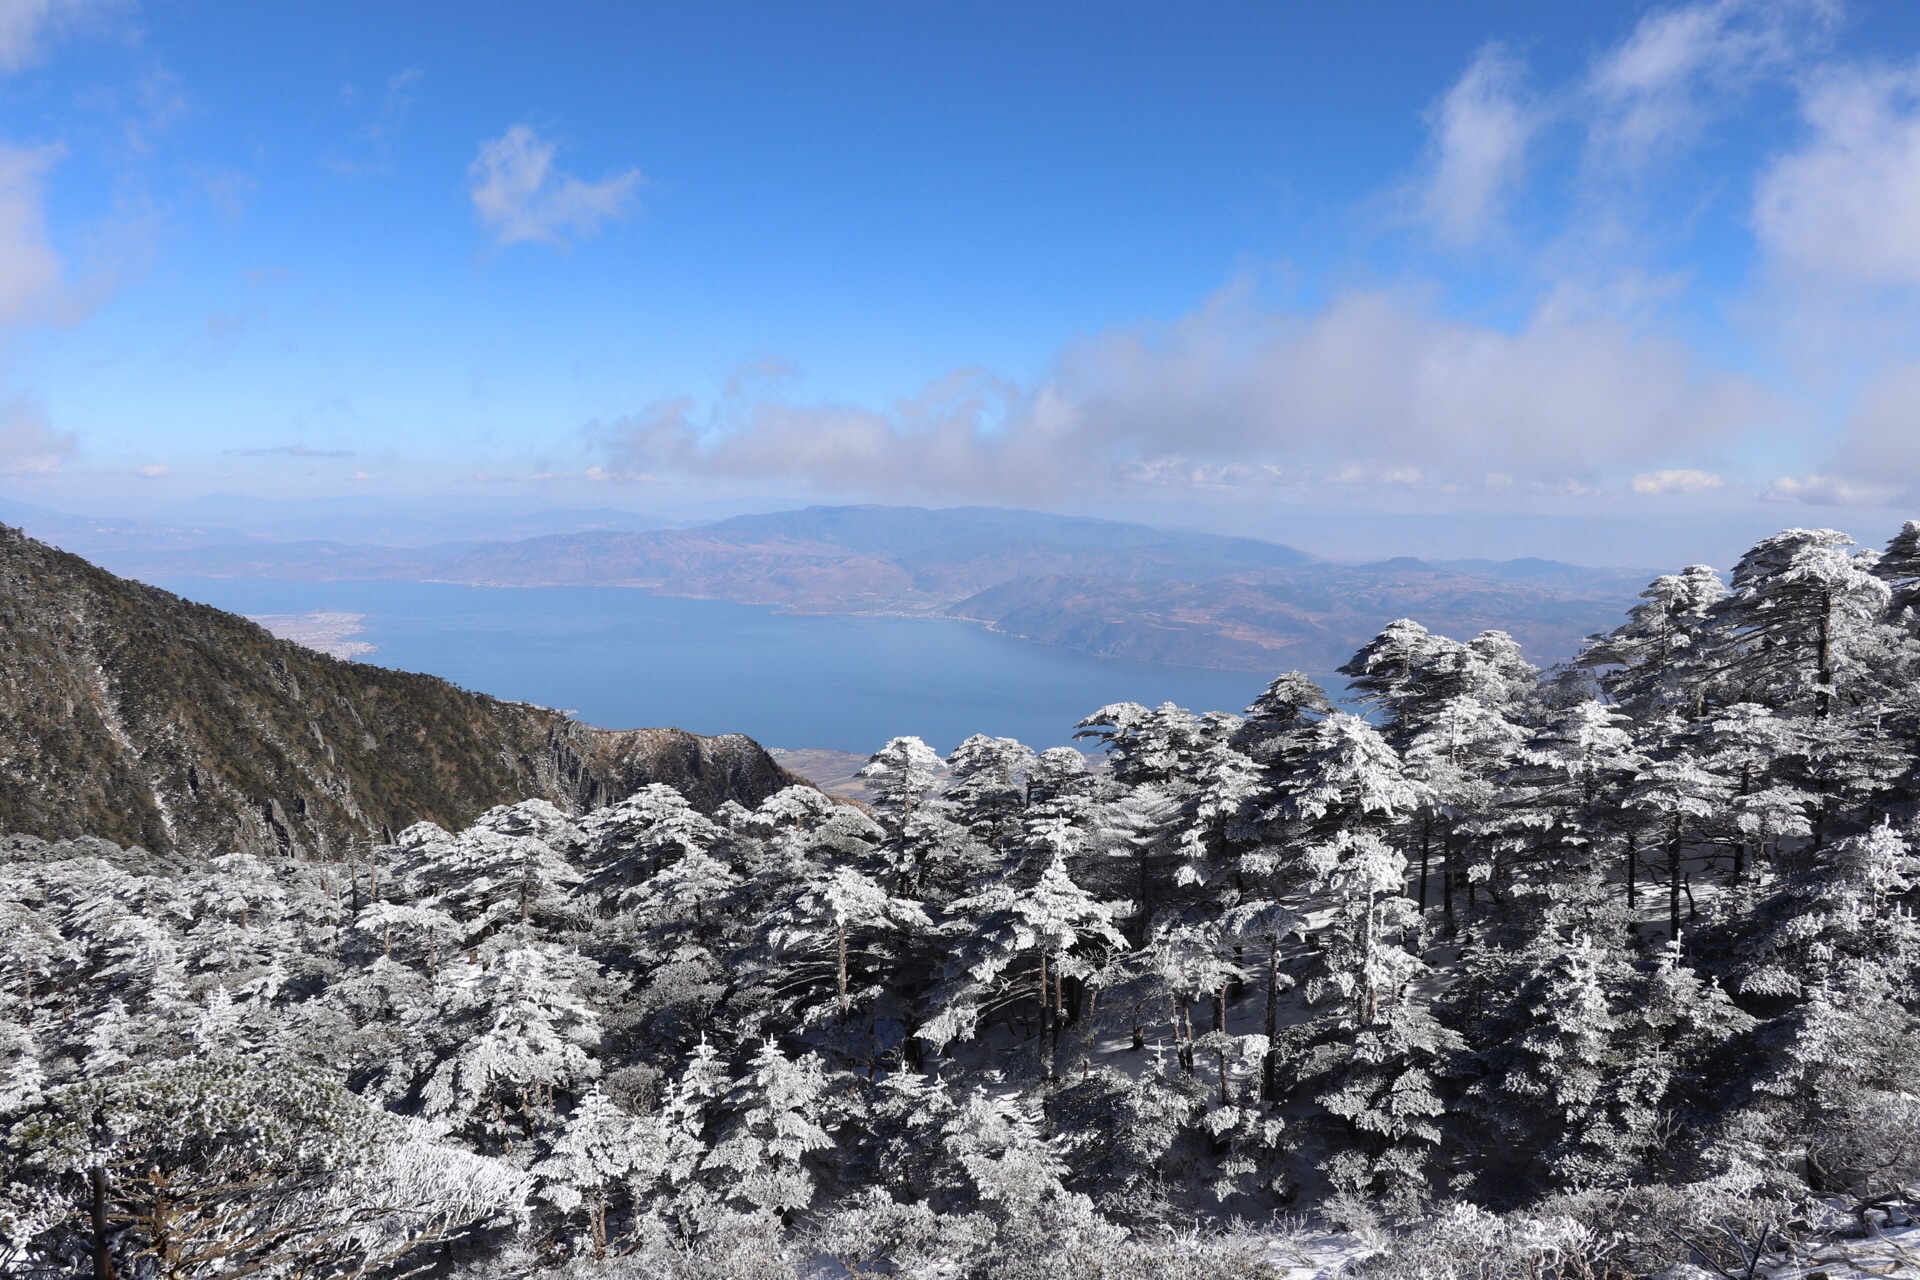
x: 130, y: 713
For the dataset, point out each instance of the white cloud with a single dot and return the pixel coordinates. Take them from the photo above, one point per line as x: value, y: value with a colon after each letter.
x: 1847, y: 204
x: 153, y: 471
x: 28, y: 26
x: 1827, y: 491
x: 28, y: 446
x: 1881, y: 433
x: 520, y: 196
x: 1378, y: 377
x: 1353, y: 473
x: 1655, y: 91
x: 30, y: 270
x: 1481, y: 129
x: 1374, y: 389
x: 1678, y: 481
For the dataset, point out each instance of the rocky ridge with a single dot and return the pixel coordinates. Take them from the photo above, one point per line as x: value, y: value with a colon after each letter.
x: 131, y: 714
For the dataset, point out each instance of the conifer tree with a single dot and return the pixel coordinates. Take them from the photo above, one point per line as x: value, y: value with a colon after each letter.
x: 600, y: 1155
x: 778, y: 1113
x: 1019, y: 941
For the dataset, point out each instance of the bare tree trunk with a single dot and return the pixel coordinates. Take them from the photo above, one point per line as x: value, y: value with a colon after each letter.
x: 1740, y: 846
x: 1369, y: 998
x: 1823, y: 692
x: 1426, y: 850
x: 1059, y: 1012
x: 1270, y: 1066
x: 1046, y: 1055
x: 102, y: 1243
x: 843, y: 971
x: 1673, y: 882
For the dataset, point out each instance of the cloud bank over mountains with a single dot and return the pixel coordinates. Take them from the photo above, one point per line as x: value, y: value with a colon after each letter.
x: 1377, y: 387
x: 1600, y: 382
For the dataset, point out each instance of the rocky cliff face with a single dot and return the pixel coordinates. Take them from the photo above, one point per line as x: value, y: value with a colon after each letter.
x: 131, y: 714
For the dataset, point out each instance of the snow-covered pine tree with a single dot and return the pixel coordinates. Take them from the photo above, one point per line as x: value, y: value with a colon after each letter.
x: 838, y: 943
x: 1562, y: 799
x: 1680, y: 800
x: 1899, y: 567
x: 625, y: 845
x: 596, y: 1160
x: 899, y: 776
x: 778, y: 1114
x: 1656, y: 661
x: 986, y: 786
x: 504, y: 1041
x: 1397, y: 673
x: 1804, y: 623
x: 1016, y: 944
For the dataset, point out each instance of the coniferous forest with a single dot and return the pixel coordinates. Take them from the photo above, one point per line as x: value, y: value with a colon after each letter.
x: 1603, y: 970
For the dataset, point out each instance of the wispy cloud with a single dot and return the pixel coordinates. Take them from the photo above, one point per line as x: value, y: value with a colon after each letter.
x: 1676, y: 481
x: 30, y: 269
x: 1660, y: 87
x: 1375, y: 389
x: 371, y: 149
x: 27, y: 27
x: 519, y: 194
x: 1880, y: 434
x: 28, y: 446
x: 1828, y: 491
x: 153, y: 471
x: 395, y: 102
x: 292, y: 451
x: 1846, y: 205
x: 1480, y: 132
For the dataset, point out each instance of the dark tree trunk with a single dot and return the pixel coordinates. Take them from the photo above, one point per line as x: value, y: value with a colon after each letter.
x: 1046, y: 1043
x: 1823, y: 692
x: 1673, y: 882
x: 1270, y: 1065
x: 102, y: 1242
x: 1426, y: 851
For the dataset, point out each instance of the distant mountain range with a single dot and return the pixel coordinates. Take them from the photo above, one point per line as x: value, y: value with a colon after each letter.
x: 1107, y: 587
x: 131, y: 714
x: 223, y: 519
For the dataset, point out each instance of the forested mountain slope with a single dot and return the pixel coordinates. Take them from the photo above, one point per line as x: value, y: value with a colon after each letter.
x: 1107, y: 587
x: 131, y: 714
x: 1610, y: 970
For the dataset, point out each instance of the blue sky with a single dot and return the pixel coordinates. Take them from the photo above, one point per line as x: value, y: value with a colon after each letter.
x: 1620, y: 265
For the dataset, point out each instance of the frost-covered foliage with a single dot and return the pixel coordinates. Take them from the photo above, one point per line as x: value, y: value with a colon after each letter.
x: 1566, y: 975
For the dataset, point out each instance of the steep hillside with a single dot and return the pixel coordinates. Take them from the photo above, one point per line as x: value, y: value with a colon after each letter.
x: 131, y: 714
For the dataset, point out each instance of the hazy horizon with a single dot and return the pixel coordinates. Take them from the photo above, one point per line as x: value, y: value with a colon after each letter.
x: 1610, y: 285
x: 1338, y: 534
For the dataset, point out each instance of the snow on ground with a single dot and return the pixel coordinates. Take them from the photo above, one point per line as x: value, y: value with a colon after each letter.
x: 1315, y: 1256
x: 1890, y: 1255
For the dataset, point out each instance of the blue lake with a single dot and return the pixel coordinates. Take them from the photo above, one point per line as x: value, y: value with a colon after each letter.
x: 623, y: 659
